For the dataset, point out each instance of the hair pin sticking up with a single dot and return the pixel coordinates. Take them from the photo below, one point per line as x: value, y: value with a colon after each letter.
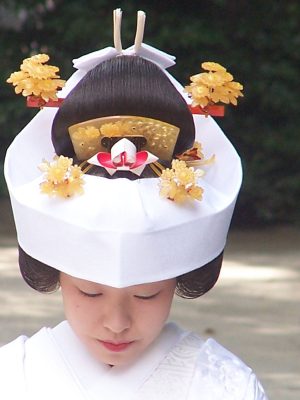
x: 141, y: 18
x: 117, y: 17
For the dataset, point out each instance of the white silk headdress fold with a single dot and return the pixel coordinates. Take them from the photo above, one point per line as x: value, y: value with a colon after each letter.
x: 120, y: 232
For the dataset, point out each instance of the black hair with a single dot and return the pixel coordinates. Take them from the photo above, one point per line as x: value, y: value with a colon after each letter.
x: 37, y: 275
x: 124, y: 85
x: 45, y: 279
x: 199, y: 281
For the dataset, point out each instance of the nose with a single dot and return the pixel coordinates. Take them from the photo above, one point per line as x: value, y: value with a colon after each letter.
x: 117, y: 319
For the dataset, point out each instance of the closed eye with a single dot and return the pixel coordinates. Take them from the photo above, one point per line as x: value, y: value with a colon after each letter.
x: 147, y: 297
x: 90, y: 294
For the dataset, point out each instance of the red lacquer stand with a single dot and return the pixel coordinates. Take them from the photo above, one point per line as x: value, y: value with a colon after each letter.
x: 213, y: 110
x: 38, y: 102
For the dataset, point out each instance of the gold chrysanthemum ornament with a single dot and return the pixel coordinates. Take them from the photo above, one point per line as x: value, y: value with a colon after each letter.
x: 62, y: 179
x: 214, y: 86
x: 37, y: 79
x: 180, y: 182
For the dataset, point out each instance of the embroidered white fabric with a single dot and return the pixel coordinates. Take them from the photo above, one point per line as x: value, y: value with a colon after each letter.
x: 196, y: 370
x: 179, y: 365
x: 221, y: 375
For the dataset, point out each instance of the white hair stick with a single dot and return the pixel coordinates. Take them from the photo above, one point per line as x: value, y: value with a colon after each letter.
x: 141, y: 17
x: 117, y: 17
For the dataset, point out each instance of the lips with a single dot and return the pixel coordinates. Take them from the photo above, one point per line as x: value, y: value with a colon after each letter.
x: 115, y: 347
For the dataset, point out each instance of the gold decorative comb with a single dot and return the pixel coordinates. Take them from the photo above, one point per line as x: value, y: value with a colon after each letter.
x: 87, y: 137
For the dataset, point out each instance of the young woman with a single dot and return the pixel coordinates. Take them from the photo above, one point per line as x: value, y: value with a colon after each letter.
x: 121, y: 239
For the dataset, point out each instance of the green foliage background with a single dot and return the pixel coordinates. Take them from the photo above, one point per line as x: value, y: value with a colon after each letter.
x: 258, y: 41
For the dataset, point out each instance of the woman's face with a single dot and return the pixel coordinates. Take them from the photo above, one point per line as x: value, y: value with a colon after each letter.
x: 116, y: 325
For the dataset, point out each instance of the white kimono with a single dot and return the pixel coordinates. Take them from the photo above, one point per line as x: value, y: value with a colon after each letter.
x: 53, y: 364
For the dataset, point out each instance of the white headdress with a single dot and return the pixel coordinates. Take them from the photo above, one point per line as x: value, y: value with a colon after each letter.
x: 121, y: 232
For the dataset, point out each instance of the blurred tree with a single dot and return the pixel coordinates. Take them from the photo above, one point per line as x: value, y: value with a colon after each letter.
x: 257, y: 41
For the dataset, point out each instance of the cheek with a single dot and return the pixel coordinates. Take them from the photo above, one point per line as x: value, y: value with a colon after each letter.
x: 77, y: 312
x: 153, y: 316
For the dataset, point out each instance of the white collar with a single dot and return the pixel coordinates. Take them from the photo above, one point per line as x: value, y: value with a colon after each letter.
x: 114, y: 382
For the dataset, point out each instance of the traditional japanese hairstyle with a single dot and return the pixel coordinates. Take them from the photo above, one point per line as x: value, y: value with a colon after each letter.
x: 122, y: 116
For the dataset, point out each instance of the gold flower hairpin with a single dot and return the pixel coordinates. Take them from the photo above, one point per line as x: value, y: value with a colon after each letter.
x: 37, y: 81
x: 180, y: 182
x: 212, y: 87
x: 62, y: 178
